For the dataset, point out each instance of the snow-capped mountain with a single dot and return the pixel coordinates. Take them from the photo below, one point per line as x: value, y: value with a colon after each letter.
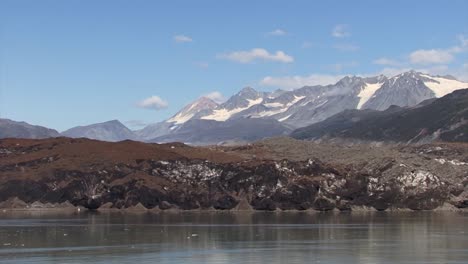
x: 309, y: 104
x: 198, y: 108
x: 252, y: 115
x: 194, y: 109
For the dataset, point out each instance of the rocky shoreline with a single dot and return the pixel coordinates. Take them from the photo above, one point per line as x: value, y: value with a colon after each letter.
x: 79, y: 173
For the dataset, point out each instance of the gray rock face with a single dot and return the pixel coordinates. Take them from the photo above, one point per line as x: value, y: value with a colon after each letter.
x: 208, y: 132
x: 126, y: 175
x: 194, y: 110
x: 444, y: 119
x: 311, y: 104
x: 107, y: 131
x: 407, y: 89
x: 13, y: 129
x: 241, y: 99
x: 154, y: 131
x: 251, y: 115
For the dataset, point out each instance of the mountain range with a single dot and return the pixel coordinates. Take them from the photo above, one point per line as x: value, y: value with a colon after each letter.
x: 14, y: 129
x: 251, y: 115
x: 300, y: 107
x: 443, y: 119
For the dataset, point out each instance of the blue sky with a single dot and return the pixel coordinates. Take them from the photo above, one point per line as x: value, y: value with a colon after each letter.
x: 68, y: 63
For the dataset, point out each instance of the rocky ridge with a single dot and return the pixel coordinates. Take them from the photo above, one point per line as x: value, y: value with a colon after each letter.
x: 123, y: 175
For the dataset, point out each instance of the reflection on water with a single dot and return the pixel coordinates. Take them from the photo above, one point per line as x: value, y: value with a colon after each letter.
x: 222, y: 237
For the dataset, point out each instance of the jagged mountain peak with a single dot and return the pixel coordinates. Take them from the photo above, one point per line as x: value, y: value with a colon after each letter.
x: 349, y: 80
x: 204, y: 100
x: 247, y: 90
x: 311, y: 104
x: 409, y: 74
x: 198, y: 106
x: 248, y: 93
x: 376, y: 79
x: 113, y: 122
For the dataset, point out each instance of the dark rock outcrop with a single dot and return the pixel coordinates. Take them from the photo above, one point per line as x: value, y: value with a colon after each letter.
x: 443, y: 119
x: 157, y: 176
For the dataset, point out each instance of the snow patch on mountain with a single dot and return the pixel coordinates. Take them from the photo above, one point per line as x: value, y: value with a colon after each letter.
x: 274, y: 104
x: 284, y: 118
x: 443, y: 86
x: 224, y: 114
x: 367, y: 92
x: 181, y: 118
x: 280, y: 107
x: 188, y: 112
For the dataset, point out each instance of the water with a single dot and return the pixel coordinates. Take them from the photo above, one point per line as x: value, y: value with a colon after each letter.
x: 202, y: 237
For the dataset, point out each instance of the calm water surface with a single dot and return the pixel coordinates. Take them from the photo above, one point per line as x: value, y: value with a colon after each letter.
x: 201, y: 237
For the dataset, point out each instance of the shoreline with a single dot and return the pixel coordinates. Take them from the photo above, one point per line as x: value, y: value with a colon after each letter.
x: 68, y: 207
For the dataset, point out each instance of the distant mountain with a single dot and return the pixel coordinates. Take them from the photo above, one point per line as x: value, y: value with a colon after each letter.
x: 309, y: 104
x: 208, y: 132
x: 107, y: 131
x: 14, y: 129
x: 406, y: 89
x: 250, y: 115
x: 193, y: 110
x: 197, y: 108
x: 443, y: 119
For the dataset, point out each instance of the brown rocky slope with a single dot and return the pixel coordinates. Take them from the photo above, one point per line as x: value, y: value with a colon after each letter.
x: 275, y: 174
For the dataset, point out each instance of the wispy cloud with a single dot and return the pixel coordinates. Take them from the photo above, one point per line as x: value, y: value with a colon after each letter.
x: 439, y: 56
x: 462, y: 73
x: 306, y: 44
x: 297, y: 81
x: 277, y: 32
x: 342, y: 65
x: 346, y: 47
x: 202, y: 64
x: 341, y: 31
x: 216, y: 96
x: 154, y: 102
x: 256, y: 54
x: 182, y: 38
x: 433, y: 56
x: 386, y: 62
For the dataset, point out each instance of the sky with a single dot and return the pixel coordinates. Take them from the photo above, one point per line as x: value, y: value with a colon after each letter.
x: 78, y: 62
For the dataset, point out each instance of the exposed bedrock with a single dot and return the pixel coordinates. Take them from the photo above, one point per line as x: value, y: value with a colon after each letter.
x: 266, y: 185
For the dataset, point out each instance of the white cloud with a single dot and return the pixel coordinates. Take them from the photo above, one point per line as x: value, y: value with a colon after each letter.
x: 342, y: 65
x: 306, y: 44
x: 341, y: 31
x: 392, y: 71
x: 182, y: 39
x: 439, y: 56
x: 386, y: 61
x: 463, y: 45
x: 256, y: 54
x: 433, y: 56
x: 216, y: 96
x: 277, y: 32
x: 153, y: 102
x: 202, y: 64
x: 462, y: 73
x: 294, y: 82
x: 346, y: 47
